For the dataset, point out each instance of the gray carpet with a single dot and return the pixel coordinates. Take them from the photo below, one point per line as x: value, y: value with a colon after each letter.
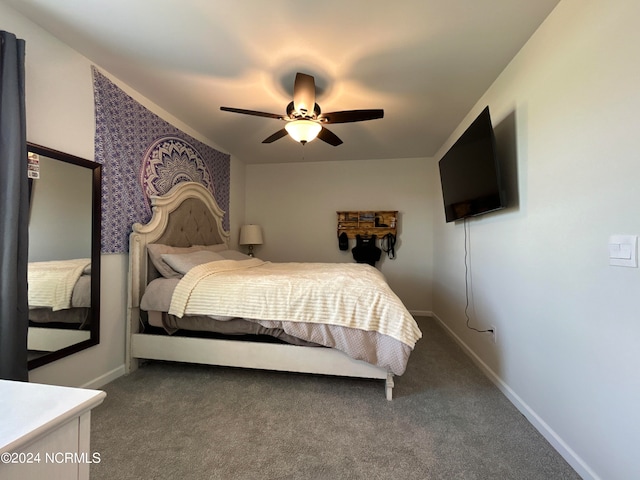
x: 447, y: 421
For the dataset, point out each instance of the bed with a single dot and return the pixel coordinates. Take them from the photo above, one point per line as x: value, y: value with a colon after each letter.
x: 331, y: 319
x: 59, y: 297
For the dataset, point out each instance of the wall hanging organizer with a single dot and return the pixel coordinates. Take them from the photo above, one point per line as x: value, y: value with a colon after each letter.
x: 368, y: 226
x: 368, y: 222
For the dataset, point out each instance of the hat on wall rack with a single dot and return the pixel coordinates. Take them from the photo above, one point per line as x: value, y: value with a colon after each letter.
x: 251, y: 235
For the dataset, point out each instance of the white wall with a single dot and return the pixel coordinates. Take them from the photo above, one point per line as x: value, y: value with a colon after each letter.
x: 568, y: 323
x: 60, y: 212
x: 60, y: 115
x: 296, y: 206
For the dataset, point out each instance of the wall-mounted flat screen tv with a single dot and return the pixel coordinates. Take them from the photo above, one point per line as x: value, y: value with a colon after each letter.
x: 470, y: 174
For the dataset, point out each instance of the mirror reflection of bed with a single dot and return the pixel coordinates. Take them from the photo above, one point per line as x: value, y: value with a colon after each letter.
x: 63, y: 258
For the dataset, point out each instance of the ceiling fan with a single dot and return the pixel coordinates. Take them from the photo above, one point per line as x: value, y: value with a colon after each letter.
x: 305, y: 120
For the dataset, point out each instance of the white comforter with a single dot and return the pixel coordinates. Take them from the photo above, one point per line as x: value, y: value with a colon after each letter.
x: 347, y: 295
x: 51, y: 283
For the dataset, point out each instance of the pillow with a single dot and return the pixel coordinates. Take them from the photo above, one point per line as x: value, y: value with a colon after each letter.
x: 183, y: 262
x: 157, y: 249
x: 218, y: 247
x: 233, y: 255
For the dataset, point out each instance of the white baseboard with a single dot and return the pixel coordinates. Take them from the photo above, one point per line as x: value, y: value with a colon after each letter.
x: 102, y: 380
x: 576, y: 462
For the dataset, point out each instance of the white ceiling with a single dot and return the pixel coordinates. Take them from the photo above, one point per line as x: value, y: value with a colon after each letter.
x: 425, y: 62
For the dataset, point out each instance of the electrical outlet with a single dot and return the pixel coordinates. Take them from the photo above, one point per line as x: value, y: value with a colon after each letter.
x: 494, y: 334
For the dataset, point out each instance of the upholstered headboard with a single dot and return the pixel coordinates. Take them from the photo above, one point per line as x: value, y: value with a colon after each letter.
x: 192, y: 223
x: 187, y: 215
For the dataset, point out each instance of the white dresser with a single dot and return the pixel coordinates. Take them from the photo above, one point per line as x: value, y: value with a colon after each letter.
x: 45, y: 431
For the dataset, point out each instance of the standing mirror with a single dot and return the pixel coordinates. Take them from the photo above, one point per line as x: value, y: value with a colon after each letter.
x: 64, y: 254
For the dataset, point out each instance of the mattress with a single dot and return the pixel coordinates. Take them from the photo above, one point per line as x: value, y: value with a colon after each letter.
x: 72, y: 316
x: 232, y: 326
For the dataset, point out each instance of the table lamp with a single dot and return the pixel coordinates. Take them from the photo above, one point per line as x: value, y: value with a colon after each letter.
x: 250, y: 235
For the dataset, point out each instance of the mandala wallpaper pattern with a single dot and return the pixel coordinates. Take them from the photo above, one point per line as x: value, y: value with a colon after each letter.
x: 144, y: 155
x: 169, y: 161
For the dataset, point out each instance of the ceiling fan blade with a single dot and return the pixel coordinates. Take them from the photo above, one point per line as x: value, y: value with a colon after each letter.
x: 304, y: 94
x: 252, y: 112
x: 276, y: 136
x: 351, y: 116
x: 328, y: 136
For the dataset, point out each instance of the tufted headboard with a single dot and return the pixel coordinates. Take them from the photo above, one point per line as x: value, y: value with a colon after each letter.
x: 187, y: 215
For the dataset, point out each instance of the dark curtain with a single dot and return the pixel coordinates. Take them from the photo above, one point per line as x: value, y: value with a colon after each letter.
x: 14, y: 309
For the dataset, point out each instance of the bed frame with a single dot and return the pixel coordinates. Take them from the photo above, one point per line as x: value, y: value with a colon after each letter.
x: 189, y: 215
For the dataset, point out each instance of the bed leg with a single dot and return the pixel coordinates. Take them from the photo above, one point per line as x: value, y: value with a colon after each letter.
x: 389, y: 386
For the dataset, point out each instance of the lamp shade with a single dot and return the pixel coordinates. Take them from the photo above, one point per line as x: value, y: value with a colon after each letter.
x: 250, y: 235
x: 303, y: 131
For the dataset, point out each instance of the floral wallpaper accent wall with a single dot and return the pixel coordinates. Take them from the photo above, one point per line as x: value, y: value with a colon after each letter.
x: 143, y: 155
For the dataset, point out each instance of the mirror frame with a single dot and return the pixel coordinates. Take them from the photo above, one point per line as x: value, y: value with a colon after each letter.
x: 96, y: 212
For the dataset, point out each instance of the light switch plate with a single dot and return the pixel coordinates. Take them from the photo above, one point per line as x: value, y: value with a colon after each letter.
x: 623, y: 250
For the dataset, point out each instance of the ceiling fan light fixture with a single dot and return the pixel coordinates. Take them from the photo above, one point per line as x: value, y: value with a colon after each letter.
x: 303, y: 131
x: 303, y: 123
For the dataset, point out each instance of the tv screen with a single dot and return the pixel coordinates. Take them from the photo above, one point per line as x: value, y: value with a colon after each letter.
x: 470, y: 174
